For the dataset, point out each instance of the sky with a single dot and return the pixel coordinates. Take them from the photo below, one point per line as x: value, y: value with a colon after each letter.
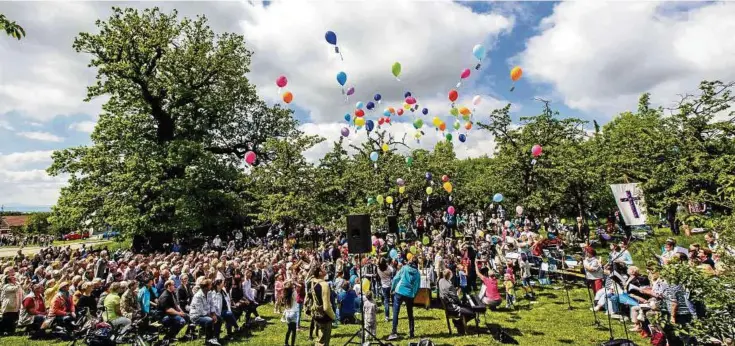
x: 591, y: 59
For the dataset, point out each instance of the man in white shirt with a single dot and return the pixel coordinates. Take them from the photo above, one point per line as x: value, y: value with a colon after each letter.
x: 251, y: 306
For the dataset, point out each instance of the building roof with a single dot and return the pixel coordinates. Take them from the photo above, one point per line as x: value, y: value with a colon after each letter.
x: 15, y: 221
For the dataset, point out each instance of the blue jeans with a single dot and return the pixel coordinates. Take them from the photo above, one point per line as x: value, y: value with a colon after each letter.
x: 397, y: 300
x: 385, y: 292
x: 229, y: 320
x: 298, y: 317
x: 174, y: 324
x: 207, y: 323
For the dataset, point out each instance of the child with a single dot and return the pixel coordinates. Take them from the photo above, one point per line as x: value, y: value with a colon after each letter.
x: 279, y: 295
x: 291, y: 313
x: 509, y: 291
x: 462, y: 279
x: 526, y: 276
x: 369, y: 311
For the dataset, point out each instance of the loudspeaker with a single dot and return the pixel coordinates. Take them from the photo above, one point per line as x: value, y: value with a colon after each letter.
x: 358, y: 234
x: 392, y: 224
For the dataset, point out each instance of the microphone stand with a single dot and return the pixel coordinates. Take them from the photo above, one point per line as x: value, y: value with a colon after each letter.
x: 563, y: 279
x: 361, y: 332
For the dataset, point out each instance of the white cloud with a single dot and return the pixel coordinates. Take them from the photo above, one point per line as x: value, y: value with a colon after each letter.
x: 5, y: 125
x: 600, y: 56
x: 84, y: 126
x: 20, y: 160
x: 41, y: 136
x: 22, y: 185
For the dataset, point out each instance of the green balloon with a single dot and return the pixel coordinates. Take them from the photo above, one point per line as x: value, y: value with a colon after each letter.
x: 370, y: 200
x: 449, y: 137
x: 457, y: 124
x: 454, y: 111
x: 396, y: 69
x: 466, y: 117
x: 380, y: 199
x: 409, y: 161
x: 418, y: 123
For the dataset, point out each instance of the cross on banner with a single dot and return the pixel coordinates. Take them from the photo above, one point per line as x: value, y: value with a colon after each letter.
x: 631, y: 200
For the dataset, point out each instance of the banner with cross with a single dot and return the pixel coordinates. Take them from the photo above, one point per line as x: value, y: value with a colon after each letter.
x: 629, y: 198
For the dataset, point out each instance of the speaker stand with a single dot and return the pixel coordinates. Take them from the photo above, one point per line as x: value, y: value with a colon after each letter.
x: 362, y: 331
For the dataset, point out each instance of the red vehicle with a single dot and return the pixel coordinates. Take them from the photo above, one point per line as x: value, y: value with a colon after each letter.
x: 76, y: 235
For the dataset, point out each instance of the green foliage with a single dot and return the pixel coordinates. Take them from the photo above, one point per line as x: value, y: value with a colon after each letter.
x: 11, y: 28
x: 38, y: 223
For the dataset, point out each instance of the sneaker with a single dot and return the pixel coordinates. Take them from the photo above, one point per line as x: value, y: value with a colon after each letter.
x: 259, y: 319
x: 392, y: 337
x: 386, y: 319
x: 213, y: 342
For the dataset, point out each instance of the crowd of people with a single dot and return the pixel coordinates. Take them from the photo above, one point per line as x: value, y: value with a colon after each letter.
x: 21, y: 240
x: 469, y: 259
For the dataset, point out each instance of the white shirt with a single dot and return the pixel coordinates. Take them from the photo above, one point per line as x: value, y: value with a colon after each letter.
x: 385, y: 277
x: 247, y: 290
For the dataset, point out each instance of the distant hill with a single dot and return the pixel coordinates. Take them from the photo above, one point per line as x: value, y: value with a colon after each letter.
x: 26, y: 208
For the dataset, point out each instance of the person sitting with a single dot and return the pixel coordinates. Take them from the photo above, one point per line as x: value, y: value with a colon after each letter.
x: 113, y: 314
x: 490, y: 285
x: 220, y: 305
x: 61, y: 305
x: 348, y: 304
x: 173, y: 316
x: 448, y: 294
x: 33, y: 310
x: 201, y: 312
x: 249, y: 304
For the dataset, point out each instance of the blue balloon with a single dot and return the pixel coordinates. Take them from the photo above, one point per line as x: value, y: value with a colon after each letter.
x: 347, y: 117
x: 428, y: 175
x: 407, y: 94
x: 386, y: 113
x: 341, y: 78
x: 374, y: 156
x: 331, y: 38
x: 462, y: 137
x: 425, y: 111
x: 377, y: 97
x: 479, y: 52
x: 359, y: 105
x: 369, y: 126
x: 497, y: 198
x: 370, y: 105
x: 393, y: 254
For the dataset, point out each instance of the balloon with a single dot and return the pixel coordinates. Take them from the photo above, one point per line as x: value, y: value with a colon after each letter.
x: 401, y: 189
x: 436, y: 121
x: 497, y: 198
x: 287, y: 97
x: 359, y: 122
x: 418, y: 123
x: 464, y: 110
x: 370, y: 200
x: 445, y: 178
x: 409, y: 161
x: 250, y: 157
x: 341, y: 78
x: 563, y: 221
x: 516, y: 73
x: 359, y: 113
x: 407, y: 94
x: 462, y: 137
x: 369, y: 125
x: 387, y: 120
x: 479, y: 52
x: 377, y: 97
x: 370, y: 105
x: 536, y: 150
x: 448, y: 136
x: 468, y: 125
x: 281, y: 81
x: 396, y: 69
x: 399, y: 111
x: 429, y: 190
x: 425, y: 111
x: 454, y: 111
x: 466, y: 117
x: 374, y: 156
x: 447, y: 187
x: 347, y: 117
x: 428, y: 175
x: 507, y: 224
x: 391, y: 110
x: 384, y: 147
x: 442, y: 126
x: 379, y: 198
x: 345, y: 132
x: 406, y: 106
x: 450, y: 210
x: 393, y: 254
x: 389, y: 200
x: 359, y: 105
x: 350, y: 91
x: 412, y: 249
x: 331, y: 38
x: 519, y: 210
x: 456, y: 125
x: 410, y: 100
x: 476, y: 100
x: 465, y: 73
x: 453, y: 95
x: 386, y: 112
x: 400, y: 182
x: 365, y: 285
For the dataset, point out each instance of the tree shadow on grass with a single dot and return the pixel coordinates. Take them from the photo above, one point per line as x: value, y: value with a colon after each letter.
x: 566, y: 341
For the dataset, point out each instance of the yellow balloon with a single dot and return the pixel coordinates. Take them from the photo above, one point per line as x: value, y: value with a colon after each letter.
x: 389, y: 200
x: 417, y: 134
x: 385, y: 147
x: 516, y: 73
x: 448, y: 187
x: 436, y: 121
x: 409, y: 256
x: 429, y: 190
x: 406, y: 106
x: 365, y: 285
x: 401, y: 189
x: 359, y: 121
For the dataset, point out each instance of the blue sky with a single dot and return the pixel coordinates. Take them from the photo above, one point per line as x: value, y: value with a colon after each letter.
x: 591, y: 59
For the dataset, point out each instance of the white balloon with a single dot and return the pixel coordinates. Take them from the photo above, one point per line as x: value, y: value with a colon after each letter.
x: 519, y: 210
x: 476, y: 100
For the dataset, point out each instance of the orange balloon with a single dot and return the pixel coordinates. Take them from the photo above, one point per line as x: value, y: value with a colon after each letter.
x: 468, y: 125
x: 516, y: 73
x: 287, y: 97
x: 391, y: 110
x: 442, y: 126
x: 464, y: 110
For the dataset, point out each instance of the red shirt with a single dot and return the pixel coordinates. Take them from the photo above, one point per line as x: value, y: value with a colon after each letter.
x: 491, y: 288
x: 35, y: 303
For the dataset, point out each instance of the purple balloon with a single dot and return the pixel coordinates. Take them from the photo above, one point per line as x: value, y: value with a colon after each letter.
x: 370, y: 105
x: 428, y: 175
x: 407, y: 94
x: 350, y: 91
x: 345, y: 132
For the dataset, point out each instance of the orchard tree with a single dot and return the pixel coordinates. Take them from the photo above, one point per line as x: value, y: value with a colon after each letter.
x: 166, y: 152
x: 11, y: 28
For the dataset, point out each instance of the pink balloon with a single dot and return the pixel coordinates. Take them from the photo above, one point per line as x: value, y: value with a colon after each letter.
x: 410, y: 100
x: 281, y: 81
x: 465, y: 73
x: 450, y: 210
x: 250, y: 157
x: 536, y: 150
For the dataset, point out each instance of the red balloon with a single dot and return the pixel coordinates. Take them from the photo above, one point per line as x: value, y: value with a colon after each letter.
x: 445, y: 178
x: 410, y: 100
x: 381, y: 121
x: 453, y: 95
x: 399, y: 111
x: 387, y: 120
x: 359, y: 113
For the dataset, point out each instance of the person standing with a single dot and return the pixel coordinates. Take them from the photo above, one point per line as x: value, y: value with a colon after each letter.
x: 11, y: 296
x: 593, y: 270
x: 321, y: 309
x: 405, y: 285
